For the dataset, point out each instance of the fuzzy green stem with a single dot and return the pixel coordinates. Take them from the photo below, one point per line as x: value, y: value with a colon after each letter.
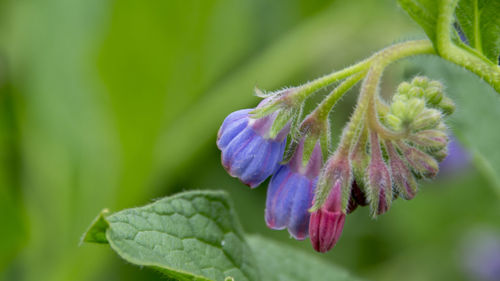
x: 324, y: 108
x: 311, y: 87
x: 366, y: 101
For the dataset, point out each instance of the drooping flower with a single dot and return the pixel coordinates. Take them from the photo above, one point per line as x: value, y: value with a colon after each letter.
x: 327, y: 223
x: 249, y: 152
x: 328, y: 216
x: 290, y: 193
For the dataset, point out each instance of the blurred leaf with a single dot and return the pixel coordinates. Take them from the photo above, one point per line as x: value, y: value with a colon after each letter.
x: 12, y: 213
x: 425, y: 13
x: 278, y: 262
x: 480, y: 21
x: 190, y: 236
x: 478, y: 111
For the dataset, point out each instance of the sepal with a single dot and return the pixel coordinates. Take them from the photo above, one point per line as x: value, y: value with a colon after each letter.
x: 378, y: 179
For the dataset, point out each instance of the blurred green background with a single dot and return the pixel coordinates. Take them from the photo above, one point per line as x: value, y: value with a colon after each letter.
x: 110, y: 104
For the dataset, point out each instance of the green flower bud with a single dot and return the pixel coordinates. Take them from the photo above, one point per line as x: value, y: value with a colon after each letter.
x: 433, y: 95
x: 415, y: 106
x: 398, y: 107
x: 393, y: 122
x: 436, y: 84
x: 420, y: 81
x: 447, y: 105
x: 404, y: 88
x: 416, y: 92
x: 427, y: 119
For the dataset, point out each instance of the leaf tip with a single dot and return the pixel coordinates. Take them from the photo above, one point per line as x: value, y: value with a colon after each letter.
x: 96, y: 233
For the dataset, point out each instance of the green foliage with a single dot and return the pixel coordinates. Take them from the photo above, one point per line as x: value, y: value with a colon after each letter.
x: 477, y: 112
x: 278, y: 262
x: 190, y: 236
x: 480, y: 21
x: 196, y: 236
x: 425, y: 13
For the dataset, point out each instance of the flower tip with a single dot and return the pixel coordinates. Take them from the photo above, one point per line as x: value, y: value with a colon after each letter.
x: 325, y: 229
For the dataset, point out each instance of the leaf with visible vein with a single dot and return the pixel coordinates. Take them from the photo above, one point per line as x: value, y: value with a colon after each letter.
x: 480, y: 22
x: 190, y: 236
x: 423, y: 12
x: 278, y: 262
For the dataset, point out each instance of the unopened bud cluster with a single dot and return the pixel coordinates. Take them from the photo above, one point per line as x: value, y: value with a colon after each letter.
x: 418, y: 105
x: 310, y: 196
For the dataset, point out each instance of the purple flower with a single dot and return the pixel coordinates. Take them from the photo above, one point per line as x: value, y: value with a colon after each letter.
x: 248, y: 153
x: 481, y: 255
x: 290, y: 193
x: 457, y: 161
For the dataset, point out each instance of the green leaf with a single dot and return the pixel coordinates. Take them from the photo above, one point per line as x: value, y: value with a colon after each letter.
x: 190, y: 236
x: 477, y: 113
x: 425, y: 13
x: 278, y: 262
x: 480, y: 21
x: 97, y: 231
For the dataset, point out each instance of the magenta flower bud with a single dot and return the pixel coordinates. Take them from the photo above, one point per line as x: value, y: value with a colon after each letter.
x: 337, y: 171
x: 379, y: 179
x: 403, y: 179
x: 290, y: 193
x: 420, y: 162
x: 327, y: 223
x: 248, y: 152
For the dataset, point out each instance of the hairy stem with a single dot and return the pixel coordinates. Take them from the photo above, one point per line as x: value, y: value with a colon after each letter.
x: 367, y: 98
x: 329, y: 102
x: 313, y: 86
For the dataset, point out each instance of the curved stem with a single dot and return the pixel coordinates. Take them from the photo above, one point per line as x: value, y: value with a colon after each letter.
x: 316, y: 84
x: 324, y: 108
x: 366, y: 101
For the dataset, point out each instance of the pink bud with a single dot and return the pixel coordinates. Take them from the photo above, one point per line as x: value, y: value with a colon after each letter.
x: 326, y: 224
x: 421, y: 162
x: 403, y: 179
x: 337, y: 171
x: 379, y: 179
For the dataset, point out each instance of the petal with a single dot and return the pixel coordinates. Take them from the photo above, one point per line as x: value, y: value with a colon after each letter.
x: 254, y: 173
x: 279, y: 198
x: 272, y: 157
x: 229, y: 132
x: 325, y: 229
x: 235, y: 116
x: 235, y: 145
x: 298, y: 225
x: 243, y: 157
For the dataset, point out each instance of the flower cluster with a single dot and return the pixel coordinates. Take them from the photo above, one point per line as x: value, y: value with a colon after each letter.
x: 380, y: 156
